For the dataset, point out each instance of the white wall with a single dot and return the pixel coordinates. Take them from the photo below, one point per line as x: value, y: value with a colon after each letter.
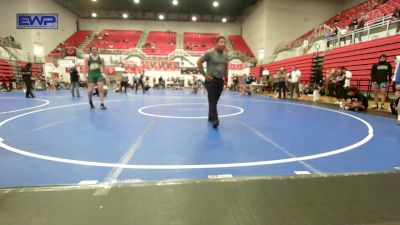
x: 274, y: 22
x: 254, y: 28
x: 179, y: 27
x: 27, y: 38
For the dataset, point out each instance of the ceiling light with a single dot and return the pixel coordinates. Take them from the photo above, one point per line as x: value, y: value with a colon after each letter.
x: 215, y: 3
x: 224, y: 20
x: 94, y: 0
x: 136, y: 1
x: 94, y: 14
x: 175, y: 2
x: 125, y: 15
x: 161, y: 17
x: 194, y: 18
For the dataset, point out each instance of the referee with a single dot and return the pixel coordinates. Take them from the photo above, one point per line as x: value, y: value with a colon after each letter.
x: 217, y: 70
x: 27, y: 77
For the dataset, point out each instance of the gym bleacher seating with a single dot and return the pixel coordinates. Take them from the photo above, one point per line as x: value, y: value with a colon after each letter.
x: 199, y: 42
x: 6, y: 72
x: 240, y: 45
x: 360, y: 57
x: 74, y: 40
x: 160, y: 43
x: 369, y: 10
x: 115, y: 39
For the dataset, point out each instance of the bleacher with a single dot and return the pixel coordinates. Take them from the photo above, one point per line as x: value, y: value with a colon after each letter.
x: 115, y: 39
x: 199, y: 42
x: 74, y: 40
x: 160, y: 43
x: 240, y: 45
x: 370, y: 10
x: 77, y: 38
x: 360, y: 57
x: 6, y: 72
x: 160, y: 65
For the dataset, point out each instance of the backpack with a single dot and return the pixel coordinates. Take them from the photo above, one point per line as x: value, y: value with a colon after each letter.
x: 393, y: 105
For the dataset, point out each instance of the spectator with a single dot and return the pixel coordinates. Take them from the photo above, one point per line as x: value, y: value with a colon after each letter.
x: 305, y: 46
x: 357, y: 101
x: 330, y: 77
x: 235, y: 80
x: 347, y: 80
x: 294, y: 82
x: 124, y: 82
x: 318, y: 80
x: 360, y: 26
x: 342, y: 34
x: 396, y: 16
x: 280, y: 78
x: 74, y: 77
x: 307, y: 89
x: 397, y: 94
x: 353, y: 24
x: 381, y: 72
x: 328, y: 35
x: 339, y: 86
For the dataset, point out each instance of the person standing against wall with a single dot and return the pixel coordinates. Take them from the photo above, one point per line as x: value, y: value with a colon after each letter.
x: 217, y: 69
x: 381, y: 72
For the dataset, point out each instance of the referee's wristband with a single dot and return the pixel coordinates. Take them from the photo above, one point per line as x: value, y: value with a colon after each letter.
x: 203, y: 72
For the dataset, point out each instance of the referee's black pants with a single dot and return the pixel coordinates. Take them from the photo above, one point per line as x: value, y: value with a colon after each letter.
x: 28, y: 84
x: 214, y: 89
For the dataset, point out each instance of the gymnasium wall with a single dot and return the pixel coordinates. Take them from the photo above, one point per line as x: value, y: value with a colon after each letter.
x: 179, y: 27
x: 275, y: 22
x: 27, y: 38
x: 254, y: 28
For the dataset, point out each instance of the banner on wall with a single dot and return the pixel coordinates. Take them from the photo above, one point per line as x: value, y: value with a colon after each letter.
x: 37, y: 21
x: 66, y: 62
x: 235, y: 66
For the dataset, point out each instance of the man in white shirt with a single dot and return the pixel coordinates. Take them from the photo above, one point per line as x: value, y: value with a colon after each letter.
x: 347, y: 80
x: 265, y: 72
x: 294, y: 81
x: 343, y: 33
